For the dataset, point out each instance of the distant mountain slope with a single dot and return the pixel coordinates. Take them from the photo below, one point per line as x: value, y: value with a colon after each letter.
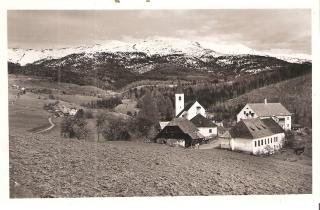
x: 295, y: 94
x: 149, y: 47
x: 115, y: 64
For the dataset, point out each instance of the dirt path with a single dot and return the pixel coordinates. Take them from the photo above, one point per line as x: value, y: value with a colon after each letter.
x: 49, y: 128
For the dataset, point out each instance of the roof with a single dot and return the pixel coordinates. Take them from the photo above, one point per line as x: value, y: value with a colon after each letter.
x: 269, y: 109
x: 187, y: 127
x: 201, y: 122
x: 255, y: 128
x: 186, y: 107
x: 272, y: 125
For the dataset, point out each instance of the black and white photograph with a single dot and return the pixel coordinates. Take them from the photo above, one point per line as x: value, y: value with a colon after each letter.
x: 158, y: 103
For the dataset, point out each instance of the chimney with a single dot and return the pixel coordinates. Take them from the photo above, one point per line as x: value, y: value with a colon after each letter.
x: 179, y: 106
x: 265, y: 101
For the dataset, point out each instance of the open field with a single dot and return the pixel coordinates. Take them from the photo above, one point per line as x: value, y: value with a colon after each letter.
x: 48, y: 166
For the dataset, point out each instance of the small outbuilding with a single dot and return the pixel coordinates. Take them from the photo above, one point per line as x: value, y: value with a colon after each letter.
x: 206, y: 127
x: 180, y: 132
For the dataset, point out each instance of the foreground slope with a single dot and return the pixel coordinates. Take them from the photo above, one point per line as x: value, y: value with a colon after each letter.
x: 49, y: 166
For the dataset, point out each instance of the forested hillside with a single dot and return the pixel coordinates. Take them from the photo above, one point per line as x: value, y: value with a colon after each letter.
x: 295, y: 94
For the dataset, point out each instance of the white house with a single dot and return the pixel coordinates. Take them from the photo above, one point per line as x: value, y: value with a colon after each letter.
x: 189, y: 110
x: 205, y: 126
x: 276, y: 111
x: 255, y: 136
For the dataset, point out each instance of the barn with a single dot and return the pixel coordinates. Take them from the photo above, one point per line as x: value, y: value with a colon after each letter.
x: 255, y: 136
x: 205, y: 126
x: 180, y: 132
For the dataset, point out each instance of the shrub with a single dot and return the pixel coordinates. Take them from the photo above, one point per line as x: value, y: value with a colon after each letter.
x: 49, y: 106
x: 116, y: 129
x: 88, y: 114
x: 269, y: 150
x: 74, y: 127
x: 104, y: 103
x: 51, y: 96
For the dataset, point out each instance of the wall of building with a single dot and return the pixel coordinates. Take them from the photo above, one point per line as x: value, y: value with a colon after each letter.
x: 193, y: 111
x: 179, y: 103
x: 254, y: 146
x: 240, y: 144
x: 206, y: 131
x: 246, y: 113
x: 285, y: 124
x: 274, y: 142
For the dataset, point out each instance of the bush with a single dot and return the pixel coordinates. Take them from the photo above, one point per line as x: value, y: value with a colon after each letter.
x: 116, y: 129
x: 74, y: 127
x: 104, y: 103
x: 49, y: 106
x: 51, y: 96
x: 88, y: 114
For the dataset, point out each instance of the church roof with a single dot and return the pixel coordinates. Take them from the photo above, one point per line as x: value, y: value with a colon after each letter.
x: 202, y: 122
x: 269, y: 109
x: 255, y: 128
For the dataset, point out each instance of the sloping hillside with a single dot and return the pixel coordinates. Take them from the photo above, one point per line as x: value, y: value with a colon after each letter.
x: 295, y: 94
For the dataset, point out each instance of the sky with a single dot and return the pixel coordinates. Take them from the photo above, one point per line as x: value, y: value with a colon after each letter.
x: 277, y: 31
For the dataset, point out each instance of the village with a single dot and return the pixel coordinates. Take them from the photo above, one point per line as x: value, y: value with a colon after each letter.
x: 260, y: 129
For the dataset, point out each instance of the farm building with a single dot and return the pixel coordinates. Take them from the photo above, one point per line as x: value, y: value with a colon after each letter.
x: 206, y: 127
x: 189, y: 110
x: 180, y: 132
x: 255, y: 136
x: 276, y: 111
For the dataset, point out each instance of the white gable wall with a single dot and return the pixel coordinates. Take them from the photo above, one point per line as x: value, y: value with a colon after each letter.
x: 246, y: 113
x: 193, y: 111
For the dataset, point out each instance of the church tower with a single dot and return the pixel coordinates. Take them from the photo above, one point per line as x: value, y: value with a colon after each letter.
x: 179, y: 103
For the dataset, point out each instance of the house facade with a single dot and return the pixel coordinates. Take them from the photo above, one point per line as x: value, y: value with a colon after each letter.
x: 205, y: 126
x: 189, y: 110
x: 276, y: 111
x: 255, y: 136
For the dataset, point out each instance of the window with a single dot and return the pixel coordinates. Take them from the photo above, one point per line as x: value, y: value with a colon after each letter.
x: 255, y: 143
x: 210, y: 130
x: 179, y: 98
x: 262, y: 142
x: 265, y: 141
x: 244, y: 112
x: 271, y: 140
x: 198, y: 109
x: 258, y: 143
x: 268, y: 141
x: 288, y: 118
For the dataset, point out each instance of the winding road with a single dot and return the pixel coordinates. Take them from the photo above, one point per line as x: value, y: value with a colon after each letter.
x: 49, y: 128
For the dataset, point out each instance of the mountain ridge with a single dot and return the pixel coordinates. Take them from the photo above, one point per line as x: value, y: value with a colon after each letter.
x: 149, y: 47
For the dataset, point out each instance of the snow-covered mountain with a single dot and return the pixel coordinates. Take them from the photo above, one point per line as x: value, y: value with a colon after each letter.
x: 151, y: 47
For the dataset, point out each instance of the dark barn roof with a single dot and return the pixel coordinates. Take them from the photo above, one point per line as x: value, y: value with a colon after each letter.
x: 202, y: 122
x: 255, y: 128
x: 187, y: 127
